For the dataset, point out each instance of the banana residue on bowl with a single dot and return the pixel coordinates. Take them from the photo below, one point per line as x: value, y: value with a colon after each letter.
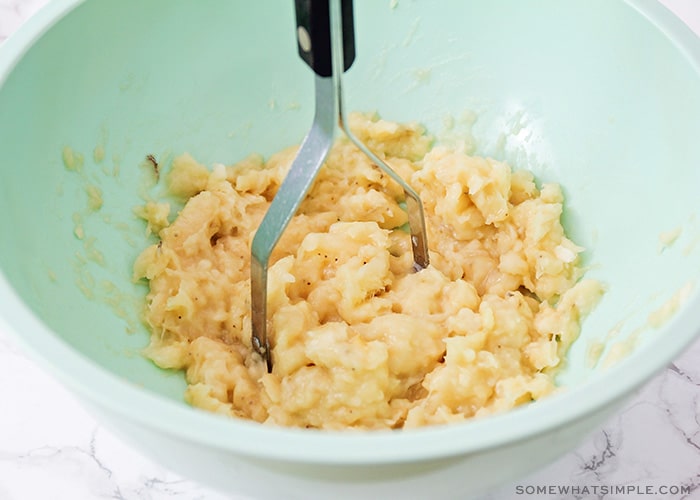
x: 359, y: 340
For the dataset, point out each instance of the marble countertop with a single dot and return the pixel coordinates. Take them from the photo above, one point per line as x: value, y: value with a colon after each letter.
x: 50, y: 448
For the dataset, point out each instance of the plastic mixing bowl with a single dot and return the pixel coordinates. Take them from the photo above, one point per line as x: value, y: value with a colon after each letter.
x: 602, y: 96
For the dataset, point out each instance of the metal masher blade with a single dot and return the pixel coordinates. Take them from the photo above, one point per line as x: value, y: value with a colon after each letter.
x: 325, y: 36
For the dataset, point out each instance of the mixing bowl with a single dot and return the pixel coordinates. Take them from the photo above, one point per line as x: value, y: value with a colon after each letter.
x: 602, y: 96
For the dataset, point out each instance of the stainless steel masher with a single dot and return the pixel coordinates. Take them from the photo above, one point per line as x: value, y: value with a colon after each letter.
x: 326, y: 42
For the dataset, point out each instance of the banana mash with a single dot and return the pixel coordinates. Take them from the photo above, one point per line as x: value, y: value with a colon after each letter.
x: 360, y: 340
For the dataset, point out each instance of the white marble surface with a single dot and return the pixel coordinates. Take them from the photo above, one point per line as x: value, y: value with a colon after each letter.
x: 50, y: 448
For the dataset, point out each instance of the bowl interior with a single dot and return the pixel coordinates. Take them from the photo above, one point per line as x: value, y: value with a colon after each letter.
x: 586, y: 93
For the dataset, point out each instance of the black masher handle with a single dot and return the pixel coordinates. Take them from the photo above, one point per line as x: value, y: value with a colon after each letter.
x: 314, y: 34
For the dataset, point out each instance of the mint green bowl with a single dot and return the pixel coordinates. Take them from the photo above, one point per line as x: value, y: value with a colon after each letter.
x: 602, y: 96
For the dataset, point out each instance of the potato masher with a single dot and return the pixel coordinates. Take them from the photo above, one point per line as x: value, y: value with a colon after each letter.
x: 326, y: 42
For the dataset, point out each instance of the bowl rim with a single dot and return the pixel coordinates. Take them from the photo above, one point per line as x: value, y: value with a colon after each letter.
x: 121, y: 397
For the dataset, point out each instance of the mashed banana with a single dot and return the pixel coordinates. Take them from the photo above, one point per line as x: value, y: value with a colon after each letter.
x: 359, y: 339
